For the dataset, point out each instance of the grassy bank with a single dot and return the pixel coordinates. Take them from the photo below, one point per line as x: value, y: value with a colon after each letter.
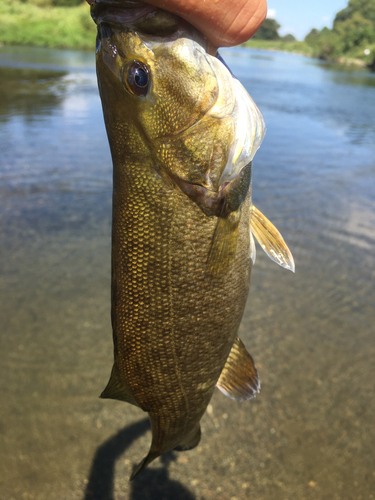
x: 29, y: 24
x: 72, y: 27
x: 295, y: 47
x: 32, y: 23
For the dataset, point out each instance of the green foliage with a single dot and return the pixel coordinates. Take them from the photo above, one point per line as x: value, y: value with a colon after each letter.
x: 353, y: 32
x: 326, y: 44
x: 342, y: 15
x: 312, y: 36
x: 67, y: 23
x: 288, y: 38
x: 66, y: 3
x: 296, y: 47
x: 364, y: 7
x: 26, y: 23
x: 268, y: 30
x: 54, y: 3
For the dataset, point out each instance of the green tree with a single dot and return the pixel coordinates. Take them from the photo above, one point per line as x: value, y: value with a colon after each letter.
x: 312, y: 37
x: 329, y: 44
x: 326, y: 44
x: 364, y: 7
x: 268, y: 30
x: 66, y: 3
x: 355, y: 30
x: 55, y: 3
x: 288, y: 38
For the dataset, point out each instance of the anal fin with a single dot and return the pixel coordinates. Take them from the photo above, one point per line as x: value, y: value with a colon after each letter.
x: 116, y: 389
x: 239, y: 378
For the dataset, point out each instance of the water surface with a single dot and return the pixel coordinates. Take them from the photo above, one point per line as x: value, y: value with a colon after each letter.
x: 310, y: 433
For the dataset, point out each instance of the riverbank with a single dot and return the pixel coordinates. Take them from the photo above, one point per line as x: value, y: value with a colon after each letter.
x: 304, y: 49
x: 295, y: 47
x: 72, y: 28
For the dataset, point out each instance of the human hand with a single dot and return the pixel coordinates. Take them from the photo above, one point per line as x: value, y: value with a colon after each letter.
x: 223, y: 22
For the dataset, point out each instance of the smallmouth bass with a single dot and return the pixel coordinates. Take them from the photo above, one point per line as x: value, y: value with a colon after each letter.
x: 183, y: 133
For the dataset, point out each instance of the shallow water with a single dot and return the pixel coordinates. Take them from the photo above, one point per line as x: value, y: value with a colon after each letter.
x: 310, y: 432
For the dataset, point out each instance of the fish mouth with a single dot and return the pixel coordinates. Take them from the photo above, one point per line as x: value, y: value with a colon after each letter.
x: 133, y: 14
x: 118, y: 12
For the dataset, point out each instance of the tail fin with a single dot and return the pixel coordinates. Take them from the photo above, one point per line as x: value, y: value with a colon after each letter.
x: 190, y: 442
x: 143, y: 464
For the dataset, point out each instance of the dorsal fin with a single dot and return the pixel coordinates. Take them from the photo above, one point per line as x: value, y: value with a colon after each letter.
x: 239, y: 378
x: 116, y: 389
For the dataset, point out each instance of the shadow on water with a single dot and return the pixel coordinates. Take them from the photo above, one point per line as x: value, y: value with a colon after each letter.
x: 150, y: 484
x: 28, y: 92
x: 342, y: 74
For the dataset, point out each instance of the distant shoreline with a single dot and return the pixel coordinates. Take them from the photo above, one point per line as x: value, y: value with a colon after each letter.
x: 341, y: 60
x: 302, y: 49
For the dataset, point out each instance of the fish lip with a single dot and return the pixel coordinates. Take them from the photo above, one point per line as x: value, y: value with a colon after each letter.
x: 119, y: 12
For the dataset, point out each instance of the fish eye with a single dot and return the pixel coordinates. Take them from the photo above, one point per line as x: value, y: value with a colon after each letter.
x: 137, y: 78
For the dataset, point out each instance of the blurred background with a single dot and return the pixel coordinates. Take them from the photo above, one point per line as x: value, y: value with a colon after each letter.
x: 310, y: 432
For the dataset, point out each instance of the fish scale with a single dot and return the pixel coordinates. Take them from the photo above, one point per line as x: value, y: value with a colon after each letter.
x: 159, y: 316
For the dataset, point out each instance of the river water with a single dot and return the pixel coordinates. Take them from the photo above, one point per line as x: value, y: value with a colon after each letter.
x: 310, y: 433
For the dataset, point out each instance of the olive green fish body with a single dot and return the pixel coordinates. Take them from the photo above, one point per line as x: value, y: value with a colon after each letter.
x: 181, y: 246
x: 174, y: 323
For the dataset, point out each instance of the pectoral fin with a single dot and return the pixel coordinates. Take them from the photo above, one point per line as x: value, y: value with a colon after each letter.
x: 271, y: 240
x: 239, y: 378
x: 116, y: 389
x: 224, y: 244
